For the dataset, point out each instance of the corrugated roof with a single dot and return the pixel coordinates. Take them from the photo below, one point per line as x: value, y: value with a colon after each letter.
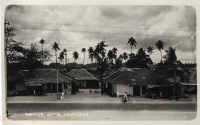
x: 45, y: 75
x: 137, y: 77
x: 81, y: 74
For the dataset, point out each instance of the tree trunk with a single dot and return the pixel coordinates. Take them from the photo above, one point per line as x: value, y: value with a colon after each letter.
x: 161, y: 55
x: 66, y: 59
x: 174, y: 83
x: 42, y: 54
x: 131, y: 49
x: 56, y: 73
x: 83, y: 58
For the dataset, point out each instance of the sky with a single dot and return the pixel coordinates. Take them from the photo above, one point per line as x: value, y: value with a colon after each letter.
x: 77, y: 27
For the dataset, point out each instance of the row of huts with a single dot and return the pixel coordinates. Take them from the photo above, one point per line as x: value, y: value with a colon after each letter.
x: 135, y: 82
x: 41, y: 81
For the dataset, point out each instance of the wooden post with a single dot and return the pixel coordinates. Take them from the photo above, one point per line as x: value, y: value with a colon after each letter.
x: 140, y: 90
x: 63, y: 87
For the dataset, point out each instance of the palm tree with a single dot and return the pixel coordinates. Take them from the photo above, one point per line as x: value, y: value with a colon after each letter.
x: 120, y: 57
x: 125, y: 56
x: 91, y: 53
x: 55, y: 47
x: 99, y: 52
x: 110, y: 55
x: 65, y: 54
x: 83, y: 51
x: 132, y: 42
x: 150, y: 49
x: 75, y: 56
x: 159, y: 46
x: 114, y: 52
x: 42, y: 42
x: 61, y: 57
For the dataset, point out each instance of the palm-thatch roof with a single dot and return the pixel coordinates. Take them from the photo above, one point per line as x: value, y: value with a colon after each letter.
x: 16, y: 76
x: 81, y: 74
x: 45, y: 76
x: 13, y: 76
x: 139, y: 76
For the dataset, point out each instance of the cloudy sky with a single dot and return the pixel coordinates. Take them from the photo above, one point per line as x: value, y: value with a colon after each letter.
x: 77, y: 27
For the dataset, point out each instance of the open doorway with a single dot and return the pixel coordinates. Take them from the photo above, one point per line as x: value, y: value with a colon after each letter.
x: 136, y: 90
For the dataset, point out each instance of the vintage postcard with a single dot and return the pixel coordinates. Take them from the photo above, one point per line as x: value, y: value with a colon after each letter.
x: 69, y: 62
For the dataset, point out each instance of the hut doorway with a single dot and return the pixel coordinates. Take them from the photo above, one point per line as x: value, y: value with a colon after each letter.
x: 136, y: 90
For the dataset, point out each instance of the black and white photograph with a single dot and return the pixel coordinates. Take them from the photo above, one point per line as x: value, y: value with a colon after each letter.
x: 100, y: 62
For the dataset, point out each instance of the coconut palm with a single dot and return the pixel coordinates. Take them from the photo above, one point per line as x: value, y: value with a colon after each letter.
x: 65, y: 54
x: 110, y: 55
x: 99, y: 52
x: 132, y: 42
x: 83, y: 51
x: 75, y: 56
x: 61, y: 57
x: 150, y: 49
x: 42, y: 42
x: 91, y: 53
x: 159, y: 46
x: 125, y: 56
x: 56, y: 47
x: 114, y: 52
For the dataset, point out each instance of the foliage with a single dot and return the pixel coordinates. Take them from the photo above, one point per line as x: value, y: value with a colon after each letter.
x: 114, y: 50
x: 150, y: 49
x: 173, y: 68
x: 125, y: 56
x: 140, y: 60
x: 91, y: 53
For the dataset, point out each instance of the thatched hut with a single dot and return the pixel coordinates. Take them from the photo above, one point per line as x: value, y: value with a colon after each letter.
x: 84, y: 78
x: 45, y: 80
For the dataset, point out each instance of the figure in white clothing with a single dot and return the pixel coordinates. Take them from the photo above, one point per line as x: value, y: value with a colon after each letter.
x: 62, y: 96
x: 125, y: 97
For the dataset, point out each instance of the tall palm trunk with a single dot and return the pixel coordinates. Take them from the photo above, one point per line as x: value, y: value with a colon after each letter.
x: 131, y: 48
x: 42, y: 54
x: 84, y: 58
x: 161, y: 55
x: 56, y: 72
x: 66, y: 60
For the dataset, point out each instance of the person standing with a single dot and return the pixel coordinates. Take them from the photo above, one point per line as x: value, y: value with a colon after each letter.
x: 125, y: 97
x: 62, y: 95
